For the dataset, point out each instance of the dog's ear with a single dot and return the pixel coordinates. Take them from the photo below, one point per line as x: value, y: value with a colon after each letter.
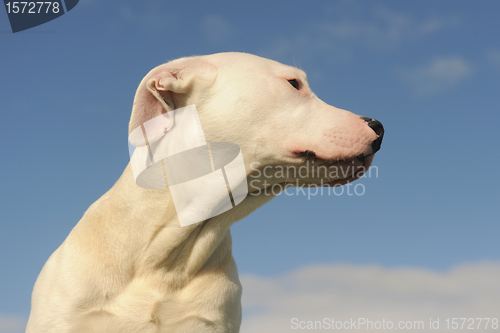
x: 160, y: 92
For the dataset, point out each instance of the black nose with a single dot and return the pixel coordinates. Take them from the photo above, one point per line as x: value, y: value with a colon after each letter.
x: 377, y: 127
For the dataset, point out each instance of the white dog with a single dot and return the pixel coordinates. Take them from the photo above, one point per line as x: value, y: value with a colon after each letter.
x: 129, y: 267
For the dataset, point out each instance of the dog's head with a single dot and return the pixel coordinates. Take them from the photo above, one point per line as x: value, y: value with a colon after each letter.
x: 269, y: 110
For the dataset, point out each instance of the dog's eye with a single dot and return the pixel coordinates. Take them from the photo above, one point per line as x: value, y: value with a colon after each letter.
x: 294, y: 83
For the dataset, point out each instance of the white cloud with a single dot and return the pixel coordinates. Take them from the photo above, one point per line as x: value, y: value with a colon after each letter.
x: 440, y: 74
x: 305, y: 45
x: 343, y: 292
x: 379, y: 29
x: 12, y: 324
x: 385, y: 28
x: 217, y: 29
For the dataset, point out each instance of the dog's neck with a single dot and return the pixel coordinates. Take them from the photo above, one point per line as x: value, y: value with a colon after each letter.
x: 159, y: 242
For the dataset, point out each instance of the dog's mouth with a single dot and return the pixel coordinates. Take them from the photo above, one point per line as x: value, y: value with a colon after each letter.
x: 343, y: 171
x: 307, y: 170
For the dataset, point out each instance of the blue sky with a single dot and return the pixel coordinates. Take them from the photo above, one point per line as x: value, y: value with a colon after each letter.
x: 428, y: 70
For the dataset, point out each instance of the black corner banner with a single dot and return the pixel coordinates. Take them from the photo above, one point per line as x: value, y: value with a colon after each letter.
x: 28, y: 14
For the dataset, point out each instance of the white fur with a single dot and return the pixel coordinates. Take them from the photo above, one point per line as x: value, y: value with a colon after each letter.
x: 128, y: 266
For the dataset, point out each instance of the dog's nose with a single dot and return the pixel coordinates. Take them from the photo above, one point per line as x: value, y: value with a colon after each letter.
x: 377, y: 127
